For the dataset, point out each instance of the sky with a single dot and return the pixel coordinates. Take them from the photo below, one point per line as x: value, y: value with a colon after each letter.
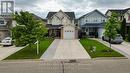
x: 80, y: 7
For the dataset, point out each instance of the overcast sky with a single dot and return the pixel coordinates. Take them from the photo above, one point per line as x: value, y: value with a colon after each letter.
x: 80, y: 7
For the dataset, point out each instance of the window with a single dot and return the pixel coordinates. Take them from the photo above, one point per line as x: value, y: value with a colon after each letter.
x: 103, y: 20
x: 86, y: 20
x: 1, y: 21
x: 95, y: 20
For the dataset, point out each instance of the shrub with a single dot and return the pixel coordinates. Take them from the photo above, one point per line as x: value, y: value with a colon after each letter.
x: 20, y: 42
x: 107, y: 50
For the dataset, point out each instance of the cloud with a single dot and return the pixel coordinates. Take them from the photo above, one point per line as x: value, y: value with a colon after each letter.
x: 80, y: 7
x: 110, y: 3
x: 50, y: 5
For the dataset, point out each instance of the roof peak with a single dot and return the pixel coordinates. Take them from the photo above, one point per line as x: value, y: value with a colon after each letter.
x: 70, y: 14
x: 92, y: 12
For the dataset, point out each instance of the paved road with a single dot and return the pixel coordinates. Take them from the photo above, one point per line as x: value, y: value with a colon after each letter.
x: 59, y: 66
x: 123, y: 48
x: 65, y: 49
x: 7, y: 51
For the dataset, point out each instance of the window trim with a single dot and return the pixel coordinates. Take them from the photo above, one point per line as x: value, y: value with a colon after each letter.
x: 4, y: 22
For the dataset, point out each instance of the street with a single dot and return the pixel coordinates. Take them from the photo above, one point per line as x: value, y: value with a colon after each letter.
x: 64, y: 66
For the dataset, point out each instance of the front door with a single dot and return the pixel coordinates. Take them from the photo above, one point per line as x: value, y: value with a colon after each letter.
x: 93, y: 32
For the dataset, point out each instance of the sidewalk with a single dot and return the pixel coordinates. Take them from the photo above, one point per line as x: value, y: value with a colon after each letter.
x: 123, y: 48
x: 7, y: 51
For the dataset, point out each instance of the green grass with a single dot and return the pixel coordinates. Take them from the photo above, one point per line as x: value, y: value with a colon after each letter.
x: 101, y: 49
x: 30, y: 53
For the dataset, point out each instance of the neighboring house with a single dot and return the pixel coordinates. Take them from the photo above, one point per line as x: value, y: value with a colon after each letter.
x: 92, y: 24
x: 39, y: 18
x: 123, y: 13
x: 7, y: 23
x: 5, y: 26
x: 62, y: 25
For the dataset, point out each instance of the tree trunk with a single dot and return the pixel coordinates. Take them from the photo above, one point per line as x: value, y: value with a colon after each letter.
x: 30, y: 46
x: 110, y: 42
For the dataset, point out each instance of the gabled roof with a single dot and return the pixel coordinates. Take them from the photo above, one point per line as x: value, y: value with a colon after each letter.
x: 120, y: 11
x: 70, y: 14
x: 93, y: 12
x: 38, y: 18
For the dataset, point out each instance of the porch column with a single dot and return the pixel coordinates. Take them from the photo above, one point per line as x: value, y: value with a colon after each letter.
x: 61, y: 33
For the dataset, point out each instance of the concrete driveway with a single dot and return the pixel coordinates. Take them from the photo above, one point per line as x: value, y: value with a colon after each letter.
x: 65, y: 49
x: 123, y: 48
x: 7, y: 51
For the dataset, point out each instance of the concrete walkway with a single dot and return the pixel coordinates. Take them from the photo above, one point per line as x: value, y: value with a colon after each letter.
x: 7, y: 51
x: 65, y: 49
x: 123, y: 48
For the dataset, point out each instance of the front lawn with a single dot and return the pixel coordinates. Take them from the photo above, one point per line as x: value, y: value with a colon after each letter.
x: 100, y: 51
x: 30, y: 53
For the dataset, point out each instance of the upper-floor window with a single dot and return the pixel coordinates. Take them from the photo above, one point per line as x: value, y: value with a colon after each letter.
x: 86, y: 20
x: 103, y: 20
x: 95, y: 20
x: 1, y: 21
x: 128, y: 18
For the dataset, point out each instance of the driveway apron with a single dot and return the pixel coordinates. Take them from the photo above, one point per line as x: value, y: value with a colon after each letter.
x: 65, y: 49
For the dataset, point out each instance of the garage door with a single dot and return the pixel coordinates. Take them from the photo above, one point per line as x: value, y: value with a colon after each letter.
x: 100, y: 32
x: 69, y: 34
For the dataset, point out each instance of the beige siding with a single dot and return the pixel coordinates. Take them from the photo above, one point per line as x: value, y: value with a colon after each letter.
x: 126, y: 16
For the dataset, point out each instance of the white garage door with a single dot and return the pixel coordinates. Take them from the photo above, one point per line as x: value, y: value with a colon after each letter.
x: 69, y: 34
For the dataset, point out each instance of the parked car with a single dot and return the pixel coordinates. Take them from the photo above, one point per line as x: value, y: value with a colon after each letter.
x: 118, y: 39
x: 7, y: 41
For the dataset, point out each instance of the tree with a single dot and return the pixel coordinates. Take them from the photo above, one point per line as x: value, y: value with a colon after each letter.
x: 40, y: 32
x: 111, y: 27
x: 123, y: 28
x: 28, y: 29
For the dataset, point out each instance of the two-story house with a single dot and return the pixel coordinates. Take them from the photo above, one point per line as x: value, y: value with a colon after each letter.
x: 92, y: 24
x: 6, y: 22
x: 122, y: 13
x: 62, y: 25
x: 5, y: 26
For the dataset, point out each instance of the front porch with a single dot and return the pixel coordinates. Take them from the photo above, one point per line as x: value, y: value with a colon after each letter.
x: 54, y: 33
x: 91, y: 32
